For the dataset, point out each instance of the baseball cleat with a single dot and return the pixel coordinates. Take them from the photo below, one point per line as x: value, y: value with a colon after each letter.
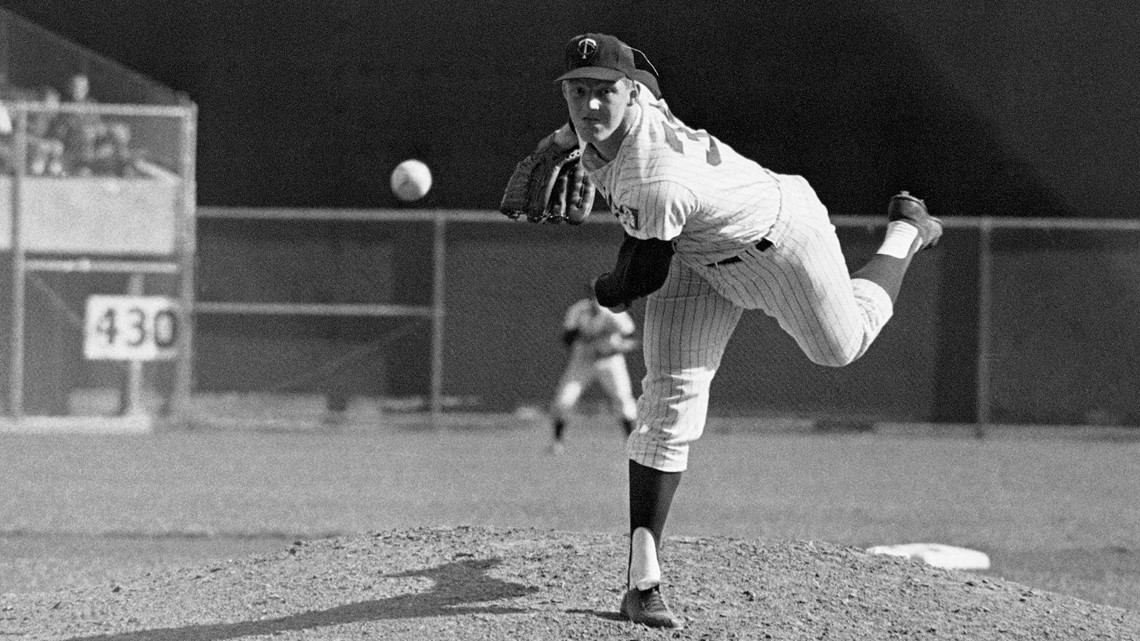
x: 907, y: 208
x: 648, y: 608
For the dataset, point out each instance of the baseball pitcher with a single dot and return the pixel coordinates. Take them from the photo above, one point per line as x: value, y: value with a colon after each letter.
x: 708, y: 235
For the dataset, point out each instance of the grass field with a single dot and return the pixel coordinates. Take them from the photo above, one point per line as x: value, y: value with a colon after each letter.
x: 1053, y: 513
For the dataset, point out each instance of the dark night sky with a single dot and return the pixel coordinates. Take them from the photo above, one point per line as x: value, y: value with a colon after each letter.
x: 982, y: 109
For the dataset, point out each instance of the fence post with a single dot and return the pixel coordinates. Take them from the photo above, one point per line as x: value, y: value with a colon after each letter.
x: 19, y: 271
x: 438, y: 262
x: 130, y: 396
x: 985, y: 324
x: 186, y: 248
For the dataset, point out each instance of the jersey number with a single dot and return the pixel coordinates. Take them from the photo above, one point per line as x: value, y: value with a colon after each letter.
x: 674, y: 130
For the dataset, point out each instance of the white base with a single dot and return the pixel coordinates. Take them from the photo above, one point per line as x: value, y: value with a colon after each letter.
x: 937, y: 555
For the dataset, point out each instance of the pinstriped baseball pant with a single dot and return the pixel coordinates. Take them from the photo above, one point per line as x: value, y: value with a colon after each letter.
x: 801, y: 280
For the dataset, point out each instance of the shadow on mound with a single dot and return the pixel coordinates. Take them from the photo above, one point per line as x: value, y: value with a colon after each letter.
x: 487, y: 584
x: 608, y: 616
x: 457, y: 587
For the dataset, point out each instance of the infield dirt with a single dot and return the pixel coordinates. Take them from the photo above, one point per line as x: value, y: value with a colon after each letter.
x: 478, y: 583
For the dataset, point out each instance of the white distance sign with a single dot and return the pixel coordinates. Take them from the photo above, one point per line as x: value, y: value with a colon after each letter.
x: 131, y: 328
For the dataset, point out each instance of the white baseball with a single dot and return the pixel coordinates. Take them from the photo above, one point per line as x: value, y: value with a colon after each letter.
x: 411, y: 180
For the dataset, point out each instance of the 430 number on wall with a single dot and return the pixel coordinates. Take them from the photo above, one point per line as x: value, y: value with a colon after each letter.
x: 131, y: 328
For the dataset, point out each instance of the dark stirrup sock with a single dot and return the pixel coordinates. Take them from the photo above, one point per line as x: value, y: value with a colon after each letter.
x: 888, y: 266
x: 650, y: 495
x: 886, y: 272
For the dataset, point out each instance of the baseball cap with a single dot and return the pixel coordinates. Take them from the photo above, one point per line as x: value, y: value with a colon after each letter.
x: 596, y: 55
x: 649, y: 80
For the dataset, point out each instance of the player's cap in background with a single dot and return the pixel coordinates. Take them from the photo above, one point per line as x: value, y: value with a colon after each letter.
x: 649, y: 80
x: 596, y: 55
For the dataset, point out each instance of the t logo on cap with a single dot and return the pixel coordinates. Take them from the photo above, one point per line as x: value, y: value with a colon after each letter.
x: 587, y: 46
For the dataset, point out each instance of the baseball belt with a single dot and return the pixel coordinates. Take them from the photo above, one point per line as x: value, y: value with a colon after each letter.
x: 762, y: 245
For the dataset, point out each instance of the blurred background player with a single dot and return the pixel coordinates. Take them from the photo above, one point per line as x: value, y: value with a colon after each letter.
x: 598, y: 340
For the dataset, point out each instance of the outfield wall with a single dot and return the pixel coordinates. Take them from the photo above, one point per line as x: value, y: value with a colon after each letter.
x: 398, y: 308
x: 1051, y: 340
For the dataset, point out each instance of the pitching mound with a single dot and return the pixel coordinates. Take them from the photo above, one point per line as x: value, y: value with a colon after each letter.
x: 477, y: 583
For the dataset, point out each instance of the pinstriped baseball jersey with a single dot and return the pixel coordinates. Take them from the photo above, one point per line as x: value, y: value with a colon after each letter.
x: 671, y: 182
x: 801, y: 281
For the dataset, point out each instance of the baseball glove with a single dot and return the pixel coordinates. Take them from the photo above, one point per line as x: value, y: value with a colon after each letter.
x: 550, y: 185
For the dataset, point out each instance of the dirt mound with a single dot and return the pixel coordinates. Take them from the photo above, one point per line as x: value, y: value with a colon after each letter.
x: 504, y: 584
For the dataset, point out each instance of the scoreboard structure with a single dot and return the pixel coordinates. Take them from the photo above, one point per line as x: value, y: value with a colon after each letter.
x: 96, y: 266
x: 109, y: 262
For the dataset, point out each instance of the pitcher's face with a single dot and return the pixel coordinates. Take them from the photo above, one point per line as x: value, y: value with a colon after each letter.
x: 600, y: 109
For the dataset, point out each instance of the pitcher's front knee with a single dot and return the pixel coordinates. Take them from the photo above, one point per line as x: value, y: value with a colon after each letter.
x: 646, y: 448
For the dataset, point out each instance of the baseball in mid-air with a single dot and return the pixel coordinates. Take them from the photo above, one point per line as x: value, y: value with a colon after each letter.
x: 411, y: 180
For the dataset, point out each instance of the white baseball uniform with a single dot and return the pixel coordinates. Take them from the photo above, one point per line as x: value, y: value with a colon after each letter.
x: 744, y: 238
x: 597, y: 354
